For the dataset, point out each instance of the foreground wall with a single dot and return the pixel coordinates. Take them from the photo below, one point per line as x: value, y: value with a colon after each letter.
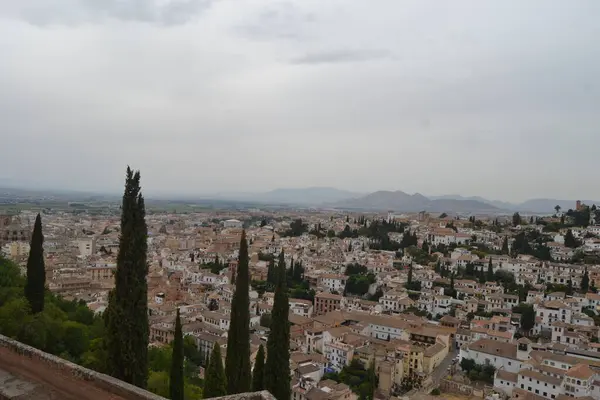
x: 26, y: 373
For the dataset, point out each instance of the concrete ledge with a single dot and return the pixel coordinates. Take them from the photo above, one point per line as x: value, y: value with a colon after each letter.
x: 264, y: 395
x: 21, y: 359
x: 26, y: 372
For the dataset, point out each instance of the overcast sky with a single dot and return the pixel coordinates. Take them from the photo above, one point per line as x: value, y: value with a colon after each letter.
x: 493, y: 98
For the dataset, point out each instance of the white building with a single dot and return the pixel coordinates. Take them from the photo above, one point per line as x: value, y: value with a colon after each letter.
x: 333, y: 282
x: 87, y: 246
x: 233, y: 223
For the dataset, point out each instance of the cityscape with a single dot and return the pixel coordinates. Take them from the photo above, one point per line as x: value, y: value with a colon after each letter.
x: 355, y: 305
x: 299, y: 200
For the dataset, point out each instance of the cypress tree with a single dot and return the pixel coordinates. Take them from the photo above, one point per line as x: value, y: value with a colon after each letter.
x: 258, y: 375
x: 505, y: 245
x: 126, y: 316
x: 277, y: 367
x: 410, y: 274
x: 237, y: 362
x: 585, y: 282
x: 215, y: 381
x: 569, y: 287
x: 290, y: 271
x: 490, y: 271
x: 271, y: 272
x: 36, y: 270
x: 176, y: 382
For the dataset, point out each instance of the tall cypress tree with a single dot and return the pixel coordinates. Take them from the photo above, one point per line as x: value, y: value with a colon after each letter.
x: 481, y: 275
x: 215, y: 381
x: 258, y: 375
x: 176, y: 383
x: 126, y: 316
x: 277, y: 367
x: 505, y: 245
x: 490, y: 271
x: 585, y: 282
x: 36, y: 270
x: 237, y: 363
x: 410, y: 274
x: 271, y: 272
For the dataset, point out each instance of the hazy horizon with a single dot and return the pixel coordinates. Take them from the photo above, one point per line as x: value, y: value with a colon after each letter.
x: 497, y: 99
x: 243, y: 196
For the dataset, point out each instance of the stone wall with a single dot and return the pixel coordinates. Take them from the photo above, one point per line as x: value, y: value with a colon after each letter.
x: 50, y: 377
x: 264, y: 395
x: 62, y: 379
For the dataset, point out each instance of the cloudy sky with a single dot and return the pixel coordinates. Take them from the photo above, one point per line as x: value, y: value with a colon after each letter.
x: 493, y: 98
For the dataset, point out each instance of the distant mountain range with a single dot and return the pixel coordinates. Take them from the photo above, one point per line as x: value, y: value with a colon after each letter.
x: 329, y: 197
x: 399, y: 201
x: 531, y: 205
x: 404, y: 202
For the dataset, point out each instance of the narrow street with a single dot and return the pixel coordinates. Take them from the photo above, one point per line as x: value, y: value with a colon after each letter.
x: 441, y: 371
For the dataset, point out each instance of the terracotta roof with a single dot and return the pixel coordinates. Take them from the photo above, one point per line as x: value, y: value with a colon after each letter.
x: 324, y: 295
x: 494, y: 347
x: 507, y: 376
x: 433, y: 350
x: 580, y: 371
x: 540, y: 377
x: 555, y: 304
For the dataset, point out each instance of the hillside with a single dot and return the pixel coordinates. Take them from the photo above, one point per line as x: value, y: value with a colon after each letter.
x: 401, y: 201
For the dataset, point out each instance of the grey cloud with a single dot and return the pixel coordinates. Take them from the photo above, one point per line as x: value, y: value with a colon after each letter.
x: 77, y: 12
x: 341, y: 56
x: 279, y: 20
x: 476, y: 98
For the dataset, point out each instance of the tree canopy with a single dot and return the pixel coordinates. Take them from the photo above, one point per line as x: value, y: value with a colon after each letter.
x: 127, y: 313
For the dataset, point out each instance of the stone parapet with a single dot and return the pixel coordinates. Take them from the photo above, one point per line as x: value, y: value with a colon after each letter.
x: 61, y: 378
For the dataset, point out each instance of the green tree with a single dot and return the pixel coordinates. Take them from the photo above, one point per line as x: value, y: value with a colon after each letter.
x: 265, y: 320
x: 585, y: 282
x: 277, y: 366
x: 490, y: 271
x: 569, y: 291
x: 570, y: 240
x: 410, y: 274
x: 505, y: 245
x: 271, y: 272
x: 452, y: 291
x: 527, y: 318
x: 258, y: 375
x: 176, y: 383
x: 516, y: 219
x: 126, y: 316
x: 158, y: 383
x: 215, y: 380
x: 75, y: 337
x: 36, y: 271
x: 237, y: 362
